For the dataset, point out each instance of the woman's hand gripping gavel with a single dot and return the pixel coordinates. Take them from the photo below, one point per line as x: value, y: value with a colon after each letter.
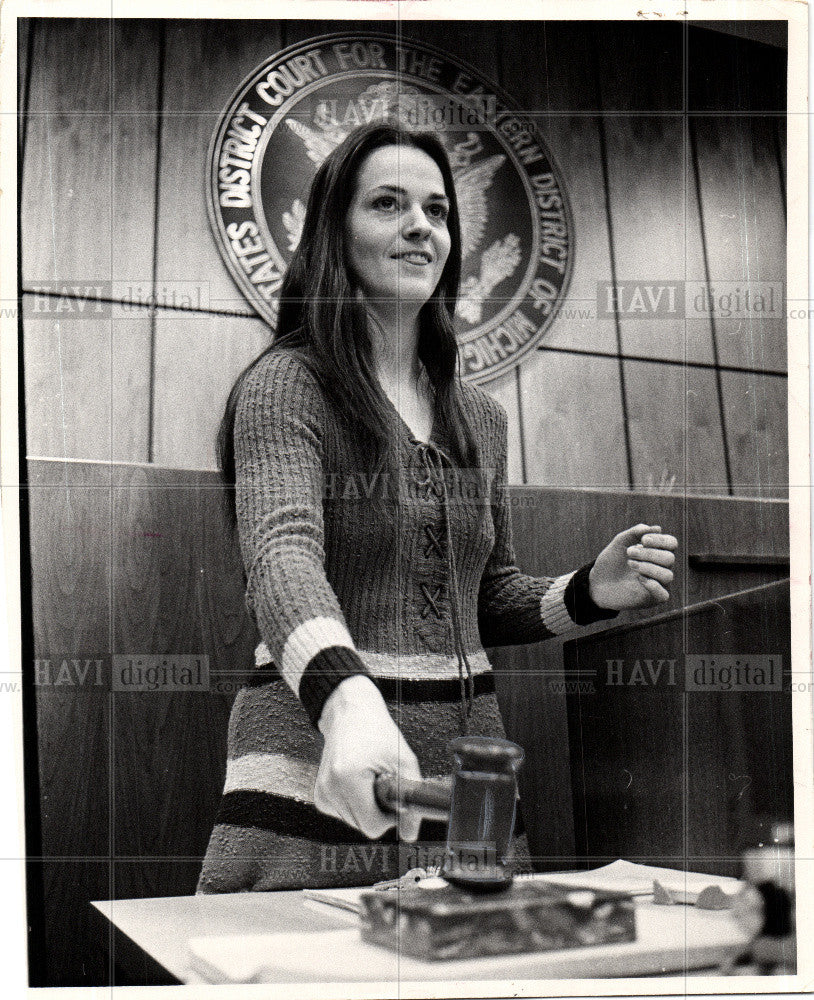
x: 362, y: 742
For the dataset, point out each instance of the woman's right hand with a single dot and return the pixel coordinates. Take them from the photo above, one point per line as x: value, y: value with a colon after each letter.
x: 361, y: 741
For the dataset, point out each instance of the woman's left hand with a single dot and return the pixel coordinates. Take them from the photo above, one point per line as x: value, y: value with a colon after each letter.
x: 634, y: 569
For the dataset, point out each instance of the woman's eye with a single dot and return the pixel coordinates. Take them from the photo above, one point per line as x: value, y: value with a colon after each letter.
x: 386, y: 202
x: 438, y: 212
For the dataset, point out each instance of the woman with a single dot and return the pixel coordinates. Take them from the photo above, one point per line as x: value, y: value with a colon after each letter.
x: 376, y: 536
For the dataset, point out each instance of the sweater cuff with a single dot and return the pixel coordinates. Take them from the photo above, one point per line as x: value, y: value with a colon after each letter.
x: 577, y: 598
x: 324, y: 673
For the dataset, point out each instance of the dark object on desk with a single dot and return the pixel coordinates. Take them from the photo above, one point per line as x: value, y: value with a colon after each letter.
x: 441, y: 924
x: 480, y: 805
x: 766, y: 906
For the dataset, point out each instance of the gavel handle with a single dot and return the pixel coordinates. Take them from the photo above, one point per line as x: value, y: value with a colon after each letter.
x: 431, y: 798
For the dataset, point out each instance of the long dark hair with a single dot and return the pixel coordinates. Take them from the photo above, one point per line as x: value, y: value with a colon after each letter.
x: 320, y: 309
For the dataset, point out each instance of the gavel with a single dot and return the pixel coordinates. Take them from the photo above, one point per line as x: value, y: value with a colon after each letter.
x: 478, y: 804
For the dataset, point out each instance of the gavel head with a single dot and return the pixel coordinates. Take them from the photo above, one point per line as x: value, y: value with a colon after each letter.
x: 482, y: 812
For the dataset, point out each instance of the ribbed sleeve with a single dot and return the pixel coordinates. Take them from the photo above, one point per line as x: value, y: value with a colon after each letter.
x: 513, y: 607
x: 279, y: 431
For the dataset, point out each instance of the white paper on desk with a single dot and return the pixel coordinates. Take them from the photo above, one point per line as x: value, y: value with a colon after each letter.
x: 625, y: 876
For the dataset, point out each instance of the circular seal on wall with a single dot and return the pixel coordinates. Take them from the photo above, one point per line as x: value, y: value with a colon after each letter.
x: 287, y: 116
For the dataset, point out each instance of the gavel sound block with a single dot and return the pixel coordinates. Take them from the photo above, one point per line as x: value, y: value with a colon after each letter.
x: 481, y: 912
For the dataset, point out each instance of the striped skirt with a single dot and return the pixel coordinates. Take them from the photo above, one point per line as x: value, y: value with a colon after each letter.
x: 268, y: 834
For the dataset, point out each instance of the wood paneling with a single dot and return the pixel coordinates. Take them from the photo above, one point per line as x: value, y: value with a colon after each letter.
x: 744, y: 229
x: 204, y: 63
x: 656, y: 237
x: 733, y: 74
x: 87, y: 394
x: 677, y: 793
x: 576, y: 147
x: 562, y: 395
x: 675, y: 428
x: 25, y: 37
x: 130, y: 338
x: 67, y: 233
x: 163, y: 739
x: 70, y: 570
x: 638, y: 74
x: 552, y: 48
x: 90, y: 165
x: 134, y: 157
x: 75, y: 939
x: 67, y: 382
x: 198, y: 356
x: 70, y: 66
x: 756, y: 411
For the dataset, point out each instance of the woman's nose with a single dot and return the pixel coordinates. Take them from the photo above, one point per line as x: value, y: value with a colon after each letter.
x: 416, y: 222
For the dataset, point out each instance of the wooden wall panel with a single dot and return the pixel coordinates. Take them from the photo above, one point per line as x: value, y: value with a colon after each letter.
x: 633, y: 76
x: 198, y: 356
x: 727, y: 73
x: 564, y: 395
x: 675, y: 428
x: 67, y: 384
x: 157, y: 609
x: 66, y: 225
x: 575, y: 144
x: 70, y: 569
x: 134, y: 157
x: 25, y: 38
x: 131, y: 387
x: 86, y: 381
x: 744, y: 228
x: 573, y: 141
x: 74, y: 937
x: 756, y: 410
x: 673, y: 793
x: 553, y: 48
x: 656, y: 235
x: 89, y: 173
x: 204, y: 63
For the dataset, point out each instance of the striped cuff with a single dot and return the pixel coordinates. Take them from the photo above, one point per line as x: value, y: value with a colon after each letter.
x: 317, y: 656
x: 581, y: 606
x: 552, y: 606
x: 322, y: 675
x: 568, y: 602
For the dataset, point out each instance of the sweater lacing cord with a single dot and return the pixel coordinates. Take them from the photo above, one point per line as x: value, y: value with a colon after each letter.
x: 433, y: 458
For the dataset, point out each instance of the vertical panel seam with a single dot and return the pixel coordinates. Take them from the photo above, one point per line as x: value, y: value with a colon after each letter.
x: 781, y: 174
x: 708, y: 279
x: 162, y: 44
x: 603, y: 157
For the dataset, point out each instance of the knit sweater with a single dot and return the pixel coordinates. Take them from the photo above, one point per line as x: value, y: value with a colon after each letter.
x: 346, y: 577
x: 404, y: 576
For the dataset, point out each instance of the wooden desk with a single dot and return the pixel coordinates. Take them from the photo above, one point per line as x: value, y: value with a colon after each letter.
x: 323, y: 945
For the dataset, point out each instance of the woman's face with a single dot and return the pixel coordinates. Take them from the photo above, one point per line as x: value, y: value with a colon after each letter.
x: 396, y: 227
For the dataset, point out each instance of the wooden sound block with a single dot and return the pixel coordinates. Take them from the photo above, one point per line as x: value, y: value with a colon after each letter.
x: 447, y: 923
